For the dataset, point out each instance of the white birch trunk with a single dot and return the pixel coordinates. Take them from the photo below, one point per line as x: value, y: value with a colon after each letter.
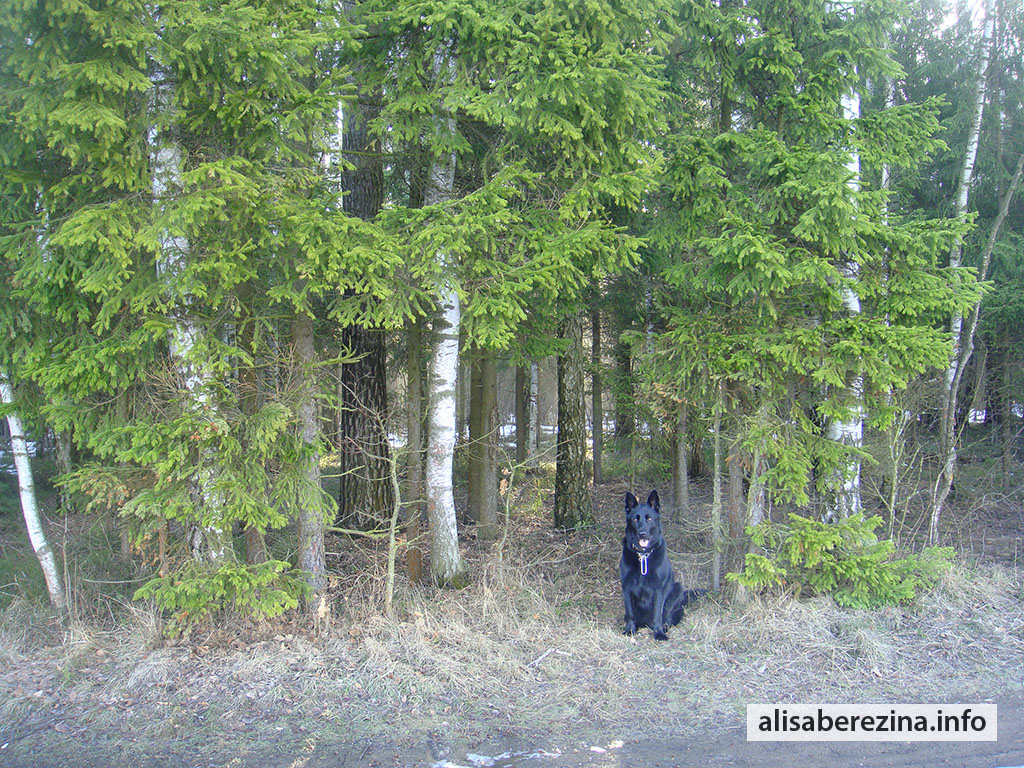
x: 445, y: 560
x: 951, y: 378
x: 845, y: 499
x: 29, y: 508
x: 446, y: 563
x: 210, y: 542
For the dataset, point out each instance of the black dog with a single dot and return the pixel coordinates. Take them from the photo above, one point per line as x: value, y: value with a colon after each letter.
x: 652, y: 596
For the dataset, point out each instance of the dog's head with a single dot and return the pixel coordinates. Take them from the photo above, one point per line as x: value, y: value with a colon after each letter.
x: 643, y: 521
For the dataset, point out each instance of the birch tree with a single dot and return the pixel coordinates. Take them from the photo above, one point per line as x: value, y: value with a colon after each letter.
x: 769, y: 249
x: 27, y: 492
x: 844, y: 499
x: 208, y: 540
x: 957, y: 360
x: 447, y: 567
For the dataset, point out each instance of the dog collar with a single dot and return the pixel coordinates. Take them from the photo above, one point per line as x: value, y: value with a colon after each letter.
x: 643, y: 562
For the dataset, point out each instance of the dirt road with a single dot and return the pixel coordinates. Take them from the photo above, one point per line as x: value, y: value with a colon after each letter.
x: 730, y: 748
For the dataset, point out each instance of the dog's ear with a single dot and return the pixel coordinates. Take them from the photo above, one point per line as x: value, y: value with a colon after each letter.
x: 631, y: 502
x: 654, y: 502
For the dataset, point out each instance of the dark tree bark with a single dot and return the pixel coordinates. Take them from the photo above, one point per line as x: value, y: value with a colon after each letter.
x: 680, y: 465
x: 365, y: 497
x: 572, y: 497
x: 414, y: 510
x: 625, y: 402
x: 737, y: 499
x: 310, y: 520
x: 487, y: 520
x: 522, y: 397
x: 596, y: 396
x: 463, y: 391
x: 249, y: 402
x: 474, y: 449
x: 482, y: 450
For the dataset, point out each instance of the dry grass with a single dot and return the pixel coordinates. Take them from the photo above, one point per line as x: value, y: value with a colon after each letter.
x: 531, y: 650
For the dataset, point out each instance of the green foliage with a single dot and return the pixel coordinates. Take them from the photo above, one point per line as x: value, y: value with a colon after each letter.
x: 845, y: 560
x: 760, y: 235
x: 196, y: 592
x: 690, y: 160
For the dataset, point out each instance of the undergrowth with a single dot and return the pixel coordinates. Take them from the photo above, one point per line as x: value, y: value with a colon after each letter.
x: 845, y: 560
x: 531, y: 649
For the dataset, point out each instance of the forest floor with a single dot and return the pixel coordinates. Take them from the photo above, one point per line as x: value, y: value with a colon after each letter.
x: 525, y: 668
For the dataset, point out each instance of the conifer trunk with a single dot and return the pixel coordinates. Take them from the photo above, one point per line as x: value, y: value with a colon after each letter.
x: 487, y: 520
x: 29, y: 507
x: 414, y: 503
x: 596, y: 397
x: 474, y: 449
x: 249, y: 402
x: 310, y: 521
x: 533, y: 417
x: 625, y: 404
x: 62, y: 455
x: 365, y: 497
x: 716, y: 500
x: 572, y: 506
x: 522, y: 398
x: 364, y: 490
x: 680, y: 465
x: 737, y: 499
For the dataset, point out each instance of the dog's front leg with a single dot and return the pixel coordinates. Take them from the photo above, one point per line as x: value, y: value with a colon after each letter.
x: 659, y: 615
x: 630, y: 619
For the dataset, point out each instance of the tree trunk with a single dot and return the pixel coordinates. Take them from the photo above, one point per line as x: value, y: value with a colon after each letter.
x: 364, y: 490
x: 62, y: 455
x: 29, y: 508
x: 596, y: 396
x: 625, y: 403
x: 249, y: 402
x: 572, y: 506
x: 210, y: 541
x: 680, y: 465
x: 844, y: 496
x: 737, y: 499
x: 309, y: 516
x: 533, y: 417
x: 522, y: 397
x: 414, y: 505
x: 464, y: 393
x: 447, y: 567
x: 446, y: 563
x: 947, y: 414
x: 756, y: 492
x: 474, y: 449
x: 716, y: 501
x: 487, y: 522
x: 1007, y: 421
x: 365, y: 497
x: 964, y: 342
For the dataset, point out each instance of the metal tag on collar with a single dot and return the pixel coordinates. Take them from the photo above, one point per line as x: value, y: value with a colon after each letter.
x: 643, y: 562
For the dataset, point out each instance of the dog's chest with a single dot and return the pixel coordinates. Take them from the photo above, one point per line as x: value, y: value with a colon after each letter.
x: 641, y: 571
